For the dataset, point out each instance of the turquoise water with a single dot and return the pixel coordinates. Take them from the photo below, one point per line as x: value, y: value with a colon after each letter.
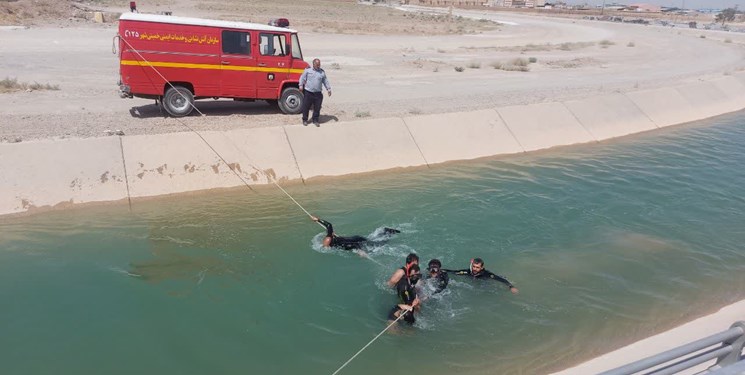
x: 607, y: 242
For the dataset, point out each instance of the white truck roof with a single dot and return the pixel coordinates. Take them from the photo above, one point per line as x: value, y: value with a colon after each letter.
x: 201, y: 22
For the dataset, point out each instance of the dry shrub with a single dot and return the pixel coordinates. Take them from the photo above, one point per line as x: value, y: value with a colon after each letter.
x: 361, y: 114
x: 12, y: 84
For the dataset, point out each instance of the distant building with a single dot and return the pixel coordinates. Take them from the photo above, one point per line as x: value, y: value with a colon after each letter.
x: 519, y: 3
x: 450, y: 2
x: 646, y: 8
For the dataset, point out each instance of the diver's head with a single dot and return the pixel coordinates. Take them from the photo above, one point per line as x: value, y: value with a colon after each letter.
x: 412, y: 259
x: 327, y: 241
x: 414, y: 274
x: 477, y: 265
x: 434, y: 266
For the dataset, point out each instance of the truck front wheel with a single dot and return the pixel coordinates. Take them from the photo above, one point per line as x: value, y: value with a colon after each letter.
x: 291, y: 101
x: 178, y: 101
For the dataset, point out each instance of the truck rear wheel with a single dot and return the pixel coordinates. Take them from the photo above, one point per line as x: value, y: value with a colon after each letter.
x: 178, y: 101
x: 291, y: 101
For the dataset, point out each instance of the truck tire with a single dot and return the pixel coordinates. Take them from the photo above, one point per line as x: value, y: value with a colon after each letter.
x: 291, y: 101
x: 178, y: 101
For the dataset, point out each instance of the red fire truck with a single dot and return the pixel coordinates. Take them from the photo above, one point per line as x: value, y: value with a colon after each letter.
x: 176, y: 60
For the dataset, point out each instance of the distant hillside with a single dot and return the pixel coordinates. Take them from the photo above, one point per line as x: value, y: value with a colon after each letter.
x: 36, y: 12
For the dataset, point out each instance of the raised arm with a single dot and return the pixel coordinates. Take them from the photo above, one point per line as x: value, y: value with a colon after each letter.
x: 326, y: 224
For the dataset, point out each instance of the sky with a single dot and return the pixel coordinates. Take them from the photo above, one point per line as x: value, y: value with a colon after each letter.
x: 689, y: 4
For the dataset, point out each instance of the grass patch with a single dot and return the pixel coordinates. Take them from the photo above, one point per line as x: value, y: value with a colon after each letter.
x: 335, y: 66
x: 533, y: 60
x: 728, y: 40
x: 12, y: 84
x: 605, y: 43
x: 631, y: 44
x: 514, y: 65
x: 702, y: 36
x: 361, y: 114
x: 459, y: 69
x: 474, y: 65
x: 415, y: 111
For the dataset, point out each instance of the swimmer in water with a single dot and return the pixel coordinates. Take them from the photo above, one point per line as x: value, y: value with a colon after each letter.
x: 438, y: 276
x: 477, y: 271
x: 348, y: 242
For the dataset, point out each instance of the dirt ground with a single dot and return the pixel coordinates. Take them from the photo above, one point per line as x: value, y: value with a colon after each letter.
x: 381, y: 61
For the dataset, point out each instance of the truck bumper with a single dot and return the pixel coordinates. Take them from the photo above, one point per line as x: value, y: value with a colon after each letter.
x: 125, y: 91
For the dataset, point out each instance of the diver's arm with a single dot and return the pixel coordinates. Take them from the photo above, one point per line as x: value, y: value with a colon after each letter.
x: 502, y: 280
x: 395, y: 278
x: 326, y: 224
x: 457, y: 272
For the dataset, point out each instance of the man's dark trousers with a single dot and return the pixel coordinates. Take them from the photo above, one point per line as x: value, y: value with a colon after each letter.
x: 315, y: 99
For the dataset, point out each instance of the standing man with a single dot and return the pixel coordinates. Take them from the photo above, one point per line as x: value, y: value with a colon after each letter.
x: 311, y: 82
x: 477, y: 271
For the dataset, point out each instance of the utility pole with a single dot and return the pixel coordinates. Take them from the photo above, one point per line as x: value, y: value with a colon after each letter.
x: 602, y: 10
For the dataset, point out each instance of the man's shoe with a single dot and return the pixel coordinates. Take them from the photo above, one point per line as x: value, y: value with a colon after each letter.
x: 305, y: 123
x: 317, y: 124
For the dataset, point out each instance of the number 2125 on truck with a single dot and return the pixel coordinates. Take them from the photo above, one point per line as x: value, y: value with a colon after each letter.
x: 176, y: 60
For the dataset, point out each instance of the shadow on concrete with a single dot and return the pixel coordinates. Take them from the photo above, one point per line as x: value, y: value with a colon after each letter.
x: 211, y: 108
x: 327, y: 118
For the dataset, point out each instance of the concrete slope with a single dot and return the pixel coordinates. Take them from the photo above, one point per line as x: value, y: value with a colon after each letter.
x: 461, y: 136
x: 50, y: 173
x: 610, y: 116
x: 539, y: 126
x: 53, y: 172
x: 664, y: 106
x: 361, y: 146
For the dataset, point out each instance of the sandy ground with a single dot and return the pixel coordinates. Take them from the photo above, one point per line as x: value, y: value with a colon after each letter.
x: 373, y: 75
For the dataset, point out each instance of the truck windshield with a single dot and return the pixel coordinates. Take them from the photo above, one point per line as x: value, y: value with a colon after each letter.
x: 296, y: 52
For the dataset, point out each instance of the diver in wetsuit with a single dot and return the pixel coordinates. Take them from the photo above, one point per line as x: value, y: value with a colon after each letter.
x: 439, y: 276
x: 477, y: 271
x: 408, y: 300
x: 411, y: 259
x: 347, y: 242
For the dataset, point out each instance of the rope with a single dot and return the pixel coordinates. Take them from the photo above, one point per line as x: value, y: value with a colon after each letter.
x: 269, y: 177
x: 369, y: 343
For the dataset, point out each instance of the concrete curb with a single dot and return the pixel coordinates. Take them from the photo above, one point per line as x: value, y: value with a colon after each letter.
x: 47, y: 174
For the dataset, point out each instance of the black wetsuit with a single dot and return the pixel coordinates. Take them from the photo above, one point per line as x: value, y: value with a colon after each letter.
x: 441, y: 281
x: 406, y: 295
x: 483, y: 274
x: 350, y: 242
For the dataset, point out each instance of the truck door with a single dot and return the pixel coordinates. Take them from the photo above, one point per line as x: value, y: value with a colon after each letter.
x: 274, y: 62
x: 238, y: 65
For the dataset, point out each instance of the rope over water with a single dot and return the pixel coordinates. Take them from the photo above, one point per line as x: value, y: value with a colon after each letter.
x: 369, y: 343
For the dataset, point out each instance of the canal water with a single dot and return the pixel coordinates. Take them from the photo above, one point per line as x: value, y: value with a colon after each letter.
x: 608, y: 243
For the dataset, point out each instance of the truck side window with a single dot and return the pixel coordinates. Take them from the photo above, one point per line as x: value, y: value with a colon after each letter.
x: 236, y: 42
x: 296, y: 52
x: 272, y: 44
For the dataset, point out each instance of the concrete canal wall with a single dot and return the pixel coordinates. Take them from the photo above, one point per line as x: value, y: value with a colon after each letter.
x: 53, y: 173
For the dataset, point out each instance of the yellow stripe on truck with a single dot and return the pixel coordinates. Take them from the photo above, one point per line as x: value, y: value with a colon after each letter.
x: 161, y: 64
